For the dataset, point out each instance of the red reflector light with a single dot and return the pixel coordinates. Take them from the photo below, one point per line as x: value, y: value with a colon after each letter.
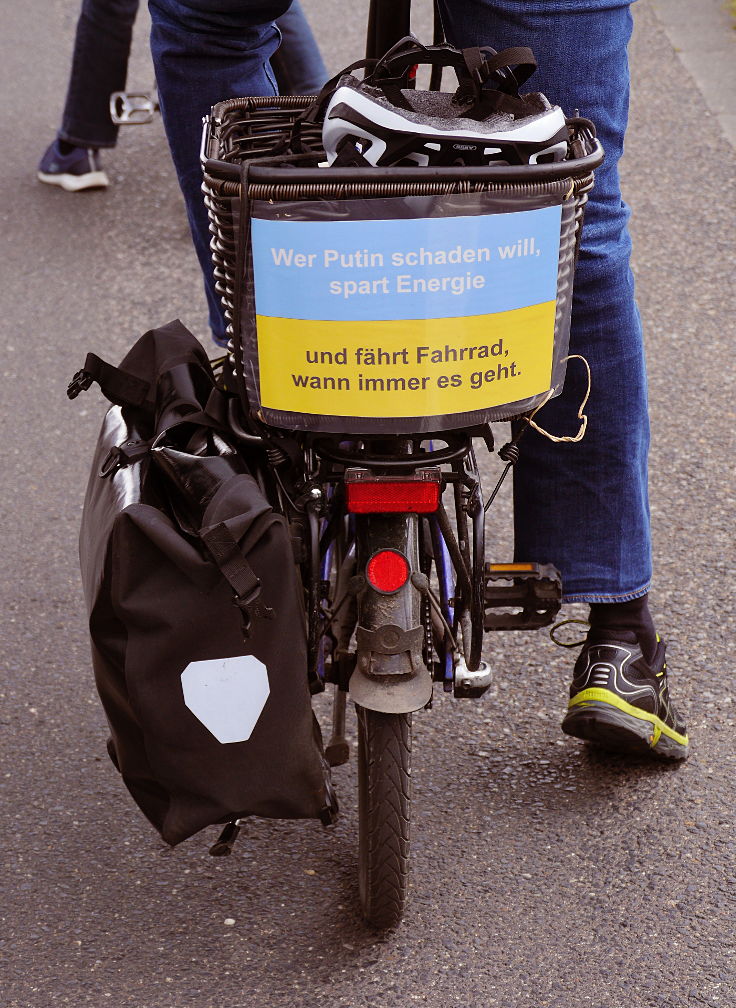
x: 419, y: 496
x: 387, y: 570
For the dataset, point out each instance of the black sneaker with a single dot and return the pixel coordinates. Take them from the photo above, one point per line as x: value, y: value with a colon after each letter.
x: 620, y: 702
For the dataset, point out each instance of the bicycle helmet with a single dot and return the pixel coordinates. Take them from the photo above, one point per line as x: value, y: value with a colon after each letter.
x: 377, y: 121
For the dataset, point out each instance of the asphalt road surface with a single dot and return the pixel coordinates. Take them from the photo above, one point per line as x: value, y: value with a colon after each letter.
x: 544, y: 874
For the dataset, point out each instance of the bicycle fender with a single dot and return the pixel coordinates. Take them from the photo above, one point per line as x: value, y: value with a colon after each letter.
x: 390, y: 675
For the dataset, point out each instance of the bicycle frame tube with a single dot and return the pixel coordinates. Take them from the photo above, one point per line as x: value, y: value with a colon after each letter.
x: 445, y: 579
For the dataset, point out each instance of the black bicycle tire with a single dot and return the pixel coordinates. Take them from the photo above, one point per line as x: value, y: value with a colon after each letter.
x: 384, y: 815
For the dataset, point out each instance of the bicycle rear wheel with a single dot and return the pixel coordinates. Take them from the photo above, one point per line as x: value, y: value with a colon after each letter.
x: 384, y: 814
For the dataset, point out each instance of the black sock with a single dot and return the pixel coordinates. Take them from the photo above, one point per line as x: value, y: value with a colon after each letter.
x: 628, y: 621
x: 64, y: 147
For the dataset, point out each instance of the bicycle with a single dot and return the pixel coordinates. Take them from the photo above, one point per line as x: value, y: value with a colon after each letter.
x: 397, y: 591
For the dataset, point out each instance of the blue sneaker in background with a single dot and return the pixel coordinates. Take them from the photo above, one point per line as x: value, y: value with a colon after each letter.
x: 80, y: 169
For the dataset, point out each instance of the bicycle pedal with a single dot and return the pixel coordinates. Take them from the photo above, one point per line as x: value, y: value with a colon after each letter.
x: 535, y: 590
x: 133, y: 108
x: 471, y: 685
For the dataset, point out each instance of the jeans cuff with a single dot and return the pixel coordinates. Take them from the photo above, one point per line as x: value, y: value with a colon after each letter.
x: 600, y: 597
x: 77, y: 142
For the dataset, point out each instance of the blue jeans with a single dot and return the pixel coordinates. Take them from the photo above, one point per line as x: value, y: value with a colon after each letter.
x: 205, y: 51
x: 297, y: 65
x: 100, y: 66
x: 583, y: 507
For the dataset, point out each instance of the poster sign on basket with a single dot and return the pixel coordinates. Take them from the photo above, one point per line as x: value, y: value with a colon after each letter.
x: 409, y: 317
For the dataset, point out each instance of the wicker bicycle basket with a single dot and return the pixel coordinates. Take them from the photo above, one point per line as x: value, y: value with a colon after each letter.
x: 251, y: 175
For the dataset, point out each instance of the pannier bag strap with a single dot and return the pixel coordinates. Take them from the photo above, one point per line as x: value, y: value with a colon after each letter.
x: 120, y: 387
x: 224, y: 550
x: 129, y: 452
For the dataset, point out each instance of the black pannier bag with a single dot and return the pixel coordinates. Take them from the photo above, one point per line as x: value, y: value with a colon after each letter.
x: 195, y: 607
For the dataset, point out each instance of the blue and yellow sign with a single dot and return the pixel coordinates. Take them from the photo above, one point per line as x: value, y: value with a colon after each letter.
x: 420, y: 316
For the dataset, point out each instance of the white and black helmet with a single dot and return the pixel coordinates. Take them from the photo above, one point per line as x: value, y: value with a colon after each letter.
x: 377, y: 121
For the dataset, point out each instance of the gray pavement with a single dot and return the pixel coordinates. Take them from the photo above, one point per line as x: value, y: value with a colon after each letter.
x: 543, y: 874
x: 703, y: 35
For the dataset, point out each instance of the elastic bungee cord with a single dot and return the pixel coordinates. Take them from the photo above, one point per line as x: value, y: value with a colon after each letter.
x: 509, y: 453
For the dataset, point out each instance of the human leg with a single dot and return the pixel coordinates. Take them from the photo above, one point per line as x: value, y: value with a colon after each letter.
x: 297, y: 63
x: 584, y: 507
x: 99, y: 67
x: 205, y: 51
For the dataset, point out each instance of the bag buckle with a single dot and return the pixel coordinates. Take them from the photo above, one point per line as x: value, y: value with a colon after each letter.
x: 123, y: 455
x: 133, y: 108
x: 81, y: 381
x: 252, y: 608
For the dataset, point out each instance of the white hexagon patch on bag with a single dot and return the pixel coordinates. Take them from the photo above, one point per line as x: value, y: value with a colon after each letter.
x: 227, y: 695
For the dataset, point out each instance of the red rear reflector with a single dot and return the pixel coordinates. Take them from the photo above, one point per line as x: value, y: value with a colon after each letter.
x: 387, y: 570
x: 419, y: 496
